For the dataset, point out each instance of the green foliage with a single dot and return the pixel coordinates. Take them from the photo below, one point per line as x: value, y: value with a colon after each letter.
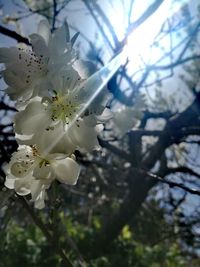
x: 25, y: 246
x: 127, y: 252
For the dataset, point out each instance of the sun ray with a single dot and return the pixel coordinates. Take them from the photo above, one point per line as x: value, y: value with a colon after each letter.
x: 98, y: 80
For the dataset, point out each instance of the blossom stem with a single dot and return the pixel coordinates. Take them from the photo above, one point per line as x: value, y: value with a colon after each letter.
x: 45, y: 231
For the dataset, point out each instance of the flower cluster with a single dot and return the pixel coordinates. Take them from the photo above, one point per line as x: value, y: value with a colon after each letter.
x: 52, y: 121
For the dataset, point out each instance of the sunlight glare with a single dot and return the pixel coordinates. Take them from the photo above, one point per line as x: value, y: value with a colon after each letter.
x: 140, y: 40
x: 136, y: 43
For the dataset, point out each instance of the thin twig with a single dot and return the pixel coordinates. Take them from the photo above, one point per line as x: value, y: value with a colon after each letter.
x: 87, y: 4
x: 170, y: 183
x: 45, y: 231
x: 55, y: 13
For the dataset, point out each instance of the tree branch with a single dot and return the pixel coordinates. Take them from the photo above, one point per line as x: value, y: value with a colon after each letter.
x: 170, y: 183
x: 181, y: 169
x: 46, y: 233
x: 14, y: 35
x: 114, y: 149
x: 139, y: 184
x: 148, y: 12
x: 87, y: 4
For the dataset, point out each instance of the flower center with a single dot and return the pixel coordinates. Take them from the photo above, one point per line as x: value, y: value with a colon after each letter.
x: 64, y: 107
x: 42, y: 161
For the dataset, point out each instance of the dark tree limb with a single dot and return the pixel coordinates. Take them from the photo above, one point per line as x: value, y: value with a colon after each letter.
x: 182, y: 169
x: 172, y: 183
x: 114, y: 149
x: 139, y: 182
x: 14, y: 35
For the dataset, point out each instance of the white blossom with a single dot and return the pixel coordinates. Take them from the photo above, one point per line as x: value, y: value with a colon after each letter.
x: 126, y: 118
x: 32, y: 172
x: 55, y: 115
x: 28, y: 69
x: 61, y: 109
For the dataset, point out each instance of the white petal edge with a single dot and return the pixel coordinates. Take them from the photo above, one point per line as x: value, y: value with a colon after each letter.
x: 44, y: 30
x: 67, y: 171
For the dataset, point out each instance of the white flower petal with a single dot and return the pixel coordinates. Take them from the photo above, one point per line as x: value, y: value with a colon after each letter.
x: 126, y: 118
x: 9, y: 183
x: 8, y: 55
x: 10, y: 179
x: 23, y: 139
x: 105, y: 116
x: 22, y: 153
x: 34, y: 118
x: 22, y: 186
x: 43, y: 172
x: 42, y: 87
x: 39, y: 203
x: 36, y: 187
x: 38, y: 193
x: 21, y: 163
x: 44, y: 30
x: 84, y: 68
x: 14, y: 78
x: 57, y: 44
x: 83, y: 136
x: 18, y: 169
x: 66, y: 170
x: 53, y: 140
x: 66, y: 80
x: 13, y: 93
x: 39, y: 46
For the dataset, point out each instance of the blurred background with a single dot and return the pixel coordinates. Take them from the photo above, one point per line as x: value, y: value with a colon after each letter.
x: 137, y: 201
